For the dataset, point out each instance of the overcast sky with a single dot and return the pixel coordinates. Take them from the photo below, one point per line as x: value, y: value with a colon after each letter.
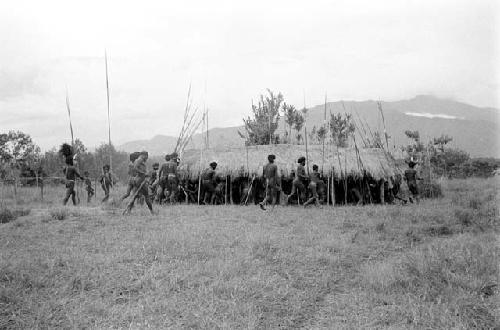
x: 231, y: 51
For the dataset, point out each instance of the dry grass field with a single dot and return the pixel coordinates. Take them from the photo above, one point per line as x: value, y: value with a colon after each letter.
x: 433, y: 265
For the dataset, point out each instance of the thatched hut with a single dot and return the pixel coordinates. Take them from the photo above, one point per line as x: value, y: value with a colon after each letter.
x: 250, y: 160
x: 344, y: 169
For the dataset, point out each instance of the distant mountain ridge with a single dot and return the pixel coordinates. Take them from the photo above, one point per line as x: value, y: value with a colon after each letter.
x: 474, y: 129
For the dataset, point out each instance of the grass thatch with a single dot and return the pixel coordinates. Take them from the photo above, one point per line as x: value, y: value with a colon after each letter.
x: 234, y: 161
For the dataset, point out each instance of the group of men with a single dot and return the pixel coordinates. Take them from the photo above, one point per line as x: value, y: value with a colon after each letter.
x: 136, y: 184
x: 315, y: 184
x: 161, y: 184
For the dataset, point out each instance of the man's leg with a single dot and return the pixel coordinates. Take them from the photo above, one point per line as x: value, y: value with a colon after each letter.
x: 145, y: 193
x: 106, y: 193
x: 73, y: 196
x: 314, y: 197
x: 67, y: 196
x: 173, y: 192
x: 127, y: 193
x: 294, y: 190
x: 266, y: 199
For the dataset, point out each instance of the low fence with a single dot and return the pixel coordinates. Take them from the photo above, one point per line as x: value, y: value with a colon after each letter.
x: 45, y: 190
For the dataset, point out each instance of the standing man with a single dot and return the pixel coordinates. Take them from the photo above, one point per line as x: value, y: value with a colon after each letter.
x: 411, y: 180
x: 88, y: 186
x: 270, y: 174
x: 208, y: 183
x: 131, y: 174
x: 71, y: 174
x: 140, y: 183
x: 300, y: 178
x: 170, y: 170
x: 106, y: 181
x: 153, y: 180
x: 314, y: 184
x: 167, y: 185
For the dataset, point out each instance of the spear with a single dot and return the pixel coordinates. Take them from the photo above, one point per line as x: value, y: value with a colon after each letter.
x: 305, y: 133
x: 379, y: 105
x: 69, y: 116
x: 324, y: 125
x: 109, y: 118
x: 72, y: 137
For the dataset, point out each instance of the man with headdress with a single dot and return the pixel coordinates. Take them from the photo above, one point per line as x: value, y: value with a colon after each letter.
x: 131, y: 174
x: 140, y: 183
x: 411, y: 180
x: 298, y: 184
x: 270, y: 174
x: 106, y: 181
x: 314, y: 185
x: 208, y: 179
x: 70, y: 173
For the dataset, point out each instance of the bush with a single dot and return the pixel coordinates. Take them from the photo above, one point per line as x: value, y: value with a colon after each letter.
x: 22, y: 212
x: 7, y: 215
x: 464, y: 217
x: 59, y: 214
x: 431, y: 190
x: 475, y: 203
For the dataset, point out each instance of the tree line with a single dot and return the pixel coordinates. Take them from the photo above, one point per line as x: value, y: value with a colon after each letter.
x: 21, y: 157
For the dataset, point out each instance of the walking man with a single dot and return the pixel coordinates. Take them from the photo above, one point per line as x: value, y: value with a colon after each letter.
x: 88, y: 186
x: 106, y: 181
x: 131, y: 174
x: 411, y: 181
x: 71, y: 174
x: 208, y: 183
x: 153, y: 180
x: 314, y: 185
x: 140, y: 183
x: 270, y: 174
x: 300, y: 178
x: 168, y: 179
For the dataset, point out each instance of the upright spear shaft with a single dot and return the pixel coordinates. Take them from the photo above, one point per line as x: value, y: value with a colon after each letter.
x: 324, y: 127
x: 69, y: 116
x: 109, y: 118
x: 305, y: 133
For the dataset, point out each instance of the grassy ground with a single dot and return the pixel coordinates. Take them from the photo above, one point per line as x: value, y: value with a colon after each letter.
x: 433, y: 265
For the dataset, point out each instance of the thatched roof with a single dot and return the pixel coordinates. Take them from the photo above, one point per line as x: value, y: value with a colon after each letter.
x: 234, y: 161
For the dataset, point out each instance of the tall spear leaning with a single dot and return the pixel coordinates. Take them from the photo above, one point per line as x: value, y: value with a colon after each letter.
x: 72, y: 137
x: 304, y: 111
x: 324, y: 127
x: 109, y: 118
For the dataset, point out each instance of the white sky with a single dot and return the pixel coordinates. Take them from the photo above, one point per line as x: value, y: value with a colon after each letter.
x: 233, y: 50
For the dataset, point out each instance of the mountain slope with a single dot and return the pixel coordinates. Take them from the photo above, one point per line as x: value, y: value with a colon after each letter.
x: 473, y: 129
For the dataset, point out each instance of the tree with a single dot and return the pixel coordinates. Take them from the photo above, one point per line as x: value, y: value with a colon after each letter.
x: 289, y: 113
x: 341, y: 127
x: 313, y: 134
x: 266, y: 115
x: 15, y: 146
x: 18, y: 153
x: 416, y: 146
x: 441, y: 142
x: 298, y: 123
x: 321, y: 133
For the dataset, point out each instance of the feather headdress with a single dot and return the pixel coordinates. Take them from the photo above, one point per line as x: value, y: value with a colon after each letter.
x: 67, y: 151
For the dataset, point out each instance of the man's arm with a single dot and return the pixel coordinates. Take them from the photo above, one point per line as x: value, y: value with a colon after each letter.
x: 78, y: 175
x: 302, y: 173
